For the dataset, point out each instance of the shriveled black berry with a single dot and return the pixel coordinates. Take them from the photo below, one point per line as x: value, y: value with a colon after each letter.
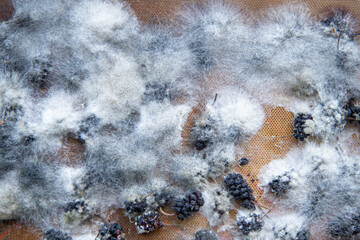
x: 237, y: 186
x: 111, y: 231
x: 77, y: 205
x: 200, y: 144
x: 299, y: 125
x: 345, y: 226
x: 244, y: 161
x: 202, y: 136
x: 115, y: 229
x: 52, y: 234
x: 148, y: 222
x: 303, y: 235
x: 186, y: 206
x: 280, y: 185
x: 205, y: 234
x: 136, y: 207
x: 250, y: 224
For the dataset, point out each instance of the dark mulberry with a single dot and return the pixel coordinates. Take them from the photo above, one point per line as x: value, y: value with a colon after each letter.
x: 111, y: 231
x: 299, y: 126
x: 237, y: 186
x: 243, y: 161
x: 187, y: 206
x: 136, y: 207
x: 148, y: 222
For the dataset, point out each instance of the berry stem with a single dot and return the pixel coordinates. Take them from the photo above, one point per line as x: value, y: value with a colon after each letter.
x: 151, y: 194
x: 165, y: 213
x: 268, y: 211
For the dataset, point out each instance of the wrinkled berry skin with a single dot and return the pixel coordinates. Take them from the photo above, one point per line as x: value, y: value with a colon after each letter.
x: 137, y: 206
x: 186, y: 206
x: 148, y: 222
x: 237, y: 186
x: 111, y: 231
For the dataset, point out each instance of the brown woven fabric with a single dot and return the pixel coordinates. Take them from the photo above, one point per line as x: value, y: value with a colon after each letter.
x: 268, y: 144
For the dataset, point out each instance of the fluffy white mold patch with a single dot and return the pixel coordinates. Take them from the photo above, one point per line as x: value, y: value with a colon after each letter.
x: 235, y: 114
x: 111, y: 95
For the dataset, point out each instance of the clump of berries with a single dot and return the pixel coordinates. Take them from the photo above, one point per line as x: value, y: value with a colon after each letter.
x: 52, y: 234
x: 161, y: 198
x: 78, y: 205
x: 77, y: 210
x: 205, y: 234
x: 345, y: 226
x: 237, y: 186
x: 111, y: 231
x: 302, y: 126
x: 186, y: 206
x: 148, y: 222
x: 136, y: 207
x: 250, y: 224
x: 280, y: 185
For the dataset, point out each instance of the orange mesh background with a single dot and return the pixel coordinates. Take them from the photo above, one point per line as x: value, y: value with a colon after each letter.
x: 265, y: 146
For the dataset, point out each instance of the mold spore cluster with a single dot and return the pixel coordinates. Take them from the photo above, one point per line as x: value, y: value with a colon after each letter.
x: 145, y: 212
x: 251, y: 223
x: 88, y: 70
x: 53, y: 234
x: 204, y: 234
x: 280, y: 185
x: 218, y: 204
x: 303, y: 126
x: 77, y: 210
x: 315, y: 181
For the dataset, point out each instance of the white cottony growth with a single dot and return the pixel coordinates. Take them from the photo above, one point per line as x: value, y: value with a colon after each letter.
x: 235, y: 113
x: 163, y: 110
x: 112, y: 94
